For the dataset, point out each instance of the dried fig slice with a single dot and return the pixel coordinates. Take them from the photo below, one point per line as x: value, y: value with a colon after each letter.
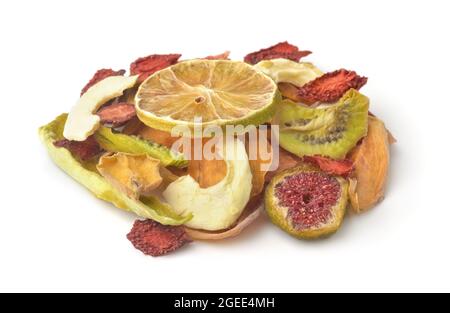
x: 371, y: 164
x: 307, y: 203
x: 251, y: 213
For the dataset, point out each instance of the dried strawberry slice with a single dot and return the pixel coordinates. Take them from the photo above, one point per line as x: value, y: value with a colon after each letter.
x: 144, y: 67
x: 84, y: 150
x: 281, y: 50
x: 331, y: 166
x: 117, y: 114
x: 155, y: 239
x: 222, y: 56
x: 101, y: 75
x: 330, y: 87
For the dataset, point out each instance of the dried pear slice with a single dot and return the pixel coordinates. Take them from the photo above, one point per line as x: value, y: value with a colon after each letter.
x: 82, y: 120
x: 287, y: 71
x: 116, y: 142
x: 371, y: 165
x: 219, y: 206
x: 327, y: 130
x: 135, y: 175
x: 96, y: 183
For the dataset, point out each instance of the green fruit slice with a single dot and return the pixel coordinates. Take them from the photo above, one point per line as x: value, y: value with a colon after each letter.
x: 307, y: 203
x: 115, y: 142
x: 328, y: 130
x: 219, y: 92
x: 152, y: 208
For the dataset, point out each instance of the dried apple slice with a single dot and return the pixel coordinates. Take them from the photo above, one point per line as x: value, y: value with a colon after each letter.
x: 371, y: 164
x: 251, y: 213
x: 219, y: 206
x: 82, y: 120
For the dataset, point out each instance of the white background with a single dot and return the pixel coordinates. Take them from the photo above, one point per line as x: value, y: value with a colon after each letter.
x: 54, y: 236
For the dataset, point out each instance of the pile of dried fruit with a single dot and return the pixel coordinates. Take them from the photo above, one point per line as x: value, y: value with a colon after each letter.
x: 330, y: 153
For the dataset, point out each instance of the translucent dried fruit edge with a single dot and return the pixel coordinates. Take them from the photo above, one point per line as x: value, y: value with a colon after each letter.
x: 144, y: 67
x: 281, y: 50
x: 331, y: 166
x: 155, y: 239
x: 222, y: 56
x: 101, y: 75
x: 330, y: 87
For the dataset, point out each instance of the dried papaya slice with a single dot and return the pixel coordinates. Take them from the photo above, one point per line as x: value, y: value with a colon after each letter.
x: 281, y: 50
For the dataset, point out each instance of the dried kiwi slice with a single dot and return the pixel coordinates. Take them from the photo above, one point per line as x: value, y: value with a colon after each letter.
x: 307, y: 203
x: 116, y: 142
x: 328, y: 130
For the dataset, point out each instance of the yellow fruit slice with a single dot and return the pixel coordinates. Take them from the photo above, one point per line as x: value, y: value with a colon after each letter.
x: 220, y: 92
x: 287, y: 71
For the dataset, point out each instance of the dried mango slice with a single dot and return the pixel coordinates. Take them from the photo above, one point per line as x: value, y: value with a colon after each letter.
x: 259, y: 163
x: 116, y: 142
x: 135, y: 175
x: 371, y: 161
x: 101, y: 75
x: 82, y: 121
x: 95, y: 183
x: 144, y: 67
x: 281, y: 50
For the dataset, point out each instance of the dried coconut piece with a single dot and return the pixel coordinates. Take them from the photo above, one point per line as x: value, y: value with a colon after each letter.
x: 281, y: 50
x: 117, y: 114
x: 331, y: 166
x: 371, y: 164
x: 82, y: 150
x: 222, y: 56
x: 155, y: 239
x: 101, y: 75
x: 146, y: 66
x: 135, y: 175
x: 251, y: 213
x: 329, y: 87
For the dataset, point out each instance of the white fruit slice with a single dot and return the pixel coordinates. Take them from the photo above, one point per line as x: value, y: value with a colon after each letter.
x: 287, y: 71
x: 82, y: 121
x: 217, y: 207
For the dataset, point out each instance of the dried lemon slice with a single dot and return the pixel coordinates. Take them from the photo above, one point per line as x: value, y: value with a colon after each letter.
x: 219, y: 92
